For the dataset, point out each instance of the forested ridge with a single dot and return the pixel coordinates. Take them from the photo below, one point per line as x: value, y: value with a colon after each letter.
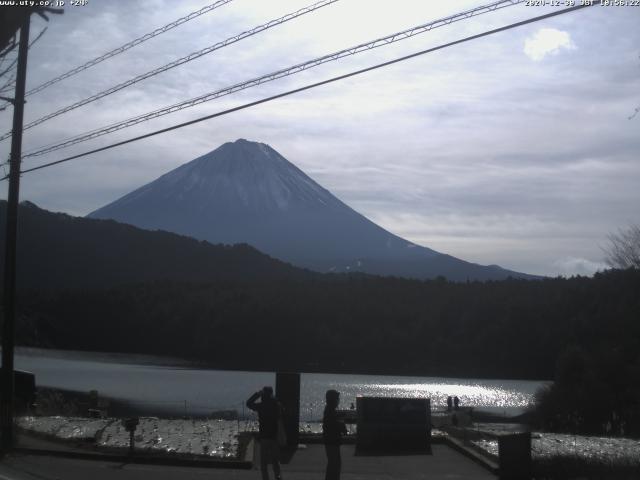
x: 99, y: 285
x: 512, y: 328
x: 58, y: 251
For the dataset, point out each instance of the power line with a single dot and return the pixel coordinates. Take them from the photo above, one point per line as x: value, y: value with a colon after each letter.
x: 395, y: 37
x: 129, y: 45
x: 308, y: 87
x: 180, y: 61
x: 124, y: 47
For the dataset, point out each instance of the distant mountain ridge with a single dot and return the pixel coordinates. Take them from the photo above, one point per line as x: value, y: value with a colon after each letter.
x: 246, y: 192
x: 58, y: 251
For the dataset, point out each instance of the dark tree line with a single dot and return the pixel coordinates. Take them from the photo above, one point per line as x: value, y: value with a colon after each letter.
x: 99, y: 285
x: 594, y: 392
x: 512, y: 328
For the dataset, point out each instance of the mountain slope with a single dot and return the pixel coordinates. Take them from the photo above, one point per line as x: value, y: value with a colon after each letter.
x: 246, y: 192
x: 56, y: 250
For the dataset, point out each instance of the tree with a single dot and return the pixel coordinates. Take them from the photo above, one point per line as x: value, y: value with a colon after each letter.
x: 623, y: 250
x: 11, y: 20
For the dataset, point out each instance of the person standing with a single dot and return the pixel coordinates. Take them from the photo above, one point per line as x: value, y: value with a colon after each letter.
x: 332, y: 430
x: 269, y: 412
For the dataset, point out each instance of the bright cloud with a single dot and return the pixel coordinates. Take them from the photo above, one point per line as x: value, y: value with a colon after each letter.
x: 547, y: 41
x: 578, y: 266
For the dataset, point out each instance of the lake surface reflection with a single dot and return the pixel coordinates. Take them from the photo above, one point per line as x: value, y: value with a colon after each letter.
x: 150, y: 383
x: 510, y: 397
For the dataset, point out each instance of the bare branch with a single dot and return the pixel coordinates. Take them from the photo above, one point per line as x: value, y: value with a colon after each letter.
x: 9, y: 84
x: 42, y: 10
x: 623, y: 250
x: 4, y: 72
x: 9, y: 47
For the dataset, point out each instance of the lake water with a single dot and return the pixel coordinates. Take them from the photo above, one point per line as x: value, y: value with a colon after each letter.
x: 162, y: 387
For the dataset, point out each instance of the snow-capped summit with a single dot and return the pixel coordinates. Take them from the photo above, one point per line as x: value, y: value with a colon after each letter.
x: 247, y: 174
x: 246, y: 192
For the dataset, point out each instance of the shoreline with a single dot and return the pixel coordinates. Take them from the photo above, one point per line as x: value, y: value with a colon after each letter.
x: 144, y: 359
x: 57, y: 401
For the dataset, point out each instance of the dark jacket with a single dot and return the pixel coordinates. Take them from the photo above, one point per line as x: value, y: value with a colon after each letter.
x: 269, y: 411
x: 332, y: 427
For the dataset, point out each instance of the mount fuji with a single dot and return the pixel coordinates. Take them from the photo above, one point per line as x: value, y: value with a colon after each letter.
x: 246, y: 192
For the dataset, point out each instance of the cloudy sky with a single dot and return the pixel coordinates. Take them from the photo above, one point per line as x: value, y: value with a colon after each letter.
x: 516, y: 149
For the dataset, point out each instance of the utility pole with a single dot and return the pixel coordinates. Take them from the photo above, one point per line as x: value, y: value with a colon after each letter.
x: 9, y: 294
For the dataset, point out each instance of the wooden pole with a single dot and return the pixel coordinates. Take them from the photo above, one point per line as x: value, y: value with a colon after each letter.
x: 9, y: 293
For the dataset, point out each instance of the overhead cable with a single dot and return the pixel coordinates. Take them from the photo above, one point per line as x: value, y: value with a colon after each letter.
x: 129, y: 45
x: 178, y: 62
x: 307, y: 87
x: 395, y: 37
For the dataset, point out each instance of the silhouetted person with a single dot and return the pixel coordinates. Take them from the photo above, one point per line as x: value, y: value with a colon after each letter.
x: 449, y: 403
x: 456, y: 403
x: 269, y: 411
x: 332, y: 430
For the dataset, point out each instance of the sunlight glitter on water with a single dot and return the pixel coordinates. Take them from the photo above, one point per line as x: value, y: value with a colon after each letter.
x: 470, y: 395
x: 497, y: 396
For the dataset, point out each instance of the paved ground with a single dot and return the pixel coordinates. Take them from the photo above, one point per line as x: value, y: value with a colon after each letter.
x: 306, y: 464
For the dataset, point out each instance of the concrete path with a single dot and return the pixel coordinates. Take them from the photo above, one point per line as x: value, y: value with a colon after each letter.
x: 308, y: 463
